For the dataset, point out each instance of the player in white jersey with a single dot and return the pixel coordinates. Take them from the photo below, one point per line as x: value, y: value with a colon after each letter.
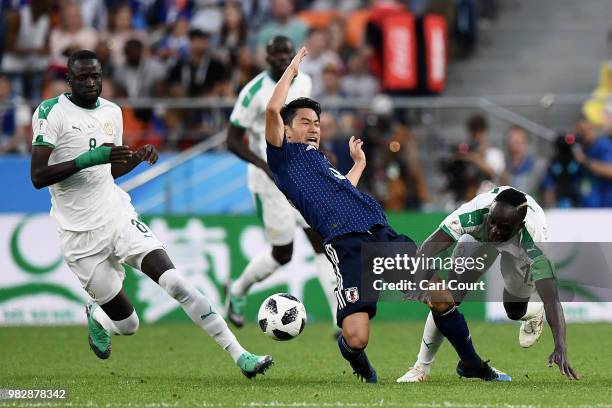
x: 510, y: 223
x: 280, y: 218
x: 77, y: 151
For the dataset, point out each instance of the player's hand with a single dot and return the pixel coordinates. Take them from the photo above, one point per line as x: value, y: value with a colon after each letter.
x: 297, y: 59
x: 355, y: 150
x: 147, y: 153
x: 120, y: 154
x: 559, y: 357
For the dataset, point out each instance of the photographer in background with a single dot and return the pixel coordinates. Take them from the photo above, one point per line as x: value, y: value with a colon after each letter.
x: 561, y: 184
x: 594, y: 153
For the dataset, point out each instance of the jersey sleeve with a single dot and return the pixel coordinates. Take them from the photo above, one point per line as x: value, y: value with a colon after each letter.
x: 46, y: 126
x: 247, y: 106
x: 533, y: 238
x: 467, y: 219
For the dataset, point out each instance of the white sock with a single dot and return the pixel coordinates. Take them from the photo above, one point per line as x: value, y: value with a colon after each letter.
x: 101, y: 317
x: 199, y: 309
x: 257, y: 270
x: 533, y: 308
x: 327, y: 278
x: 432, y: 339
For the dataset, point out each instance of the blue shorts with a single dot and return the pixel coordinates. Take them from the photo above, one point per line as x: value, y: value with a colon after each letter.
x: 345, y: 255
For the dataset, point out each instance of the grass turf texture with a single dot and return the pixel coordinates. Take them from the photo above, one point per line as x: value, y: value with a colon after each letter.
x: 178, y: 365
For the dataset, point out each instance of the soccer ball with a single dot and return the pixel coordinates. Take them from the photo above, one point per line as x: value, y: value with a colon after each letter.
x: 282, y: 316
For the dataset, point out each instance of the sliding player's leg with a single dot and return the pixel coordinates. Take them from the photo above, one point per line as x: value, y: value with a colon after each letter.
x: 518, y: 289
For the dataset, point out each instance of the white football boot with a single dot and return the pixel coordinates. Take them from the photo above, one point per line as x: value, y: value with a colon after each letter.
x: 417, y: 373
x: 531, y: 329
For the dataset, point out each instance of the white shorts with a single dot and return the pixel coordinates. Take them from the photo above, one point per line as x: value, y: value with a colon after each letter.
x: 514, y: 271
x: 96, y: 256
x: 280, y: 218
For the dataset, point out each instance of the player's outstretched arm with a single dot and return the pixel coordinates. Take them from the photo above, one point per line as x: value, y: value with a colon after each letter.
x: 146, y: 153
x: 547, y: 289
x: 42, y: 174
x: 275, y: 130
x: 359, y: 159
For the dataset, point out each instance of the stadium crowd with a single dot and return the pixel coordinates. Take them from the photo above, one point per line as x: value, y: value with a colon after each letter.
x: 211, y: 49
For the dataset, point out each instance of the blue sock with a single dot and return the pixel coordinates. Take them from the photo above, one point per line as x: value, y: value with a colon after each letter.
x: 453, y: 326
x: 358, y: 360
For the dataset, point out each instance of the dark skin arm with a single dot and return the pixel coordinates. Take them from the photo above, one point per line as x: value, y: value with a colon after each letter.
x: 235, y: 144
x: 547, y: 289
x: 146, y: 153
x: 43, y: 174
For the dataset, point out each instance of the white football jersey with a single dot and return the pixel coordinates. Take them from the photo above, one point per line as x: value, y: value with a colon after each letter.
x: 89, y: 198
x: 471, y: 218
x: 250, y: 108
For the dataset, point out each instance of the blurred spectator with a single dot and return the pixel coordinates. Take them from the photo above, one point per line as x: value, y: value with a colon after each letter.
x: 95, y: 14
x: 319, y: 56
x: 334, y: 144
x: 175, y: 44
x: 199, y: 74
x: 139, y: 77
x: 70, y: 36
x: 393, y: 175
x: 284, y: 23
x: 561, y: 184
x: 489, y: 159
x: 207, y: 16
x: 233, y: 34
x: 15, y: 119
x: 464, y: 179
x: 330, y: 89
x: 336, y: 33
x: 358, y: 82
x: 595, y: 155
x: 244, y: 70
x: 523, y: 170
x: 595, y: 107
x: 120, y: 31
x: 26, y: 47
x: 104, y: 56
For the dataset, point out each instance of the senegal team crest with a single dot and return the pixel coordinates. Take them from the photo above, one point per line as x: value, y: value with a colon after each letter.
x: 109, y: 129
x: 351, y: 294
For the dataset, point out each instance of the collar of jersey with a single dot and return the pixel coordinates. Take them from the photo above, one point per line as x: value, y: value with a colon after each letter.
x: 67, y: 95
x: 272, y: 79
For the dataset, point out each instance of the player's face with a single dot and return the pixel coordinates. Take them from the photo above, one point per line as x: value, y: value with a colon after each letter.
x: 85, y: 80
x: 279, y: 57
x: 503, y: 222
x: 305, y: 128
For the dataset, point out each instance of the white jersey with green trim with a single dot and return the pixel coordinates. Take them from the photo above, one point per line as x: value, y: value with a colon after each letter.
x: 471, y: 219
x: 249, y: 110
x: 89, y: 198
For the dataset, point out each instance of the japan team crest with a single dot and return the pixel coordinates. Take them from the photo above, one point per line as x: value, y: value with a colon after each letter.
x: 351, y: 294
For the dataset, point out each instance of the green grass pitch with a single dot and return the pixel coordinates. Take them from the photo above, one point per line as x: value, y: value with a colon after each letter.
x: 179, y: 366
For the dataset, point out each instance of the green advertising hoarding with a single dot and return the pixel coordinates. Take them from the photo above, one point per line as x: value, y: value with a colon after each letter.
x: 36, y: 286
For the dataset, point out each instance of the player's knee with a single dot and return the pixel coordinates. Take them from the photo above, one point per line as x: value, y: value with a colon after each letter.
x: 174, y: 285
x: 282, y: 254
x: 356, y: 340
x: 515, y: 310
x: 441, y: 307
x: 355, y: 337
x: 128, y: 326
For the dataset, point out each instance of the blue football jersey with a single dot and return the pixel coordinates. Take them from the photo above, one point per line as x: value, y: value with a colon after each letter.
x: 330, y: 204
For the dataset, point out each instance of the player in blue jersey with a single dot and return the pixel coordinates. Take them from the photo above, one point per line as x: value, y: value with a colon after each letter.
x: 346, y: 218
